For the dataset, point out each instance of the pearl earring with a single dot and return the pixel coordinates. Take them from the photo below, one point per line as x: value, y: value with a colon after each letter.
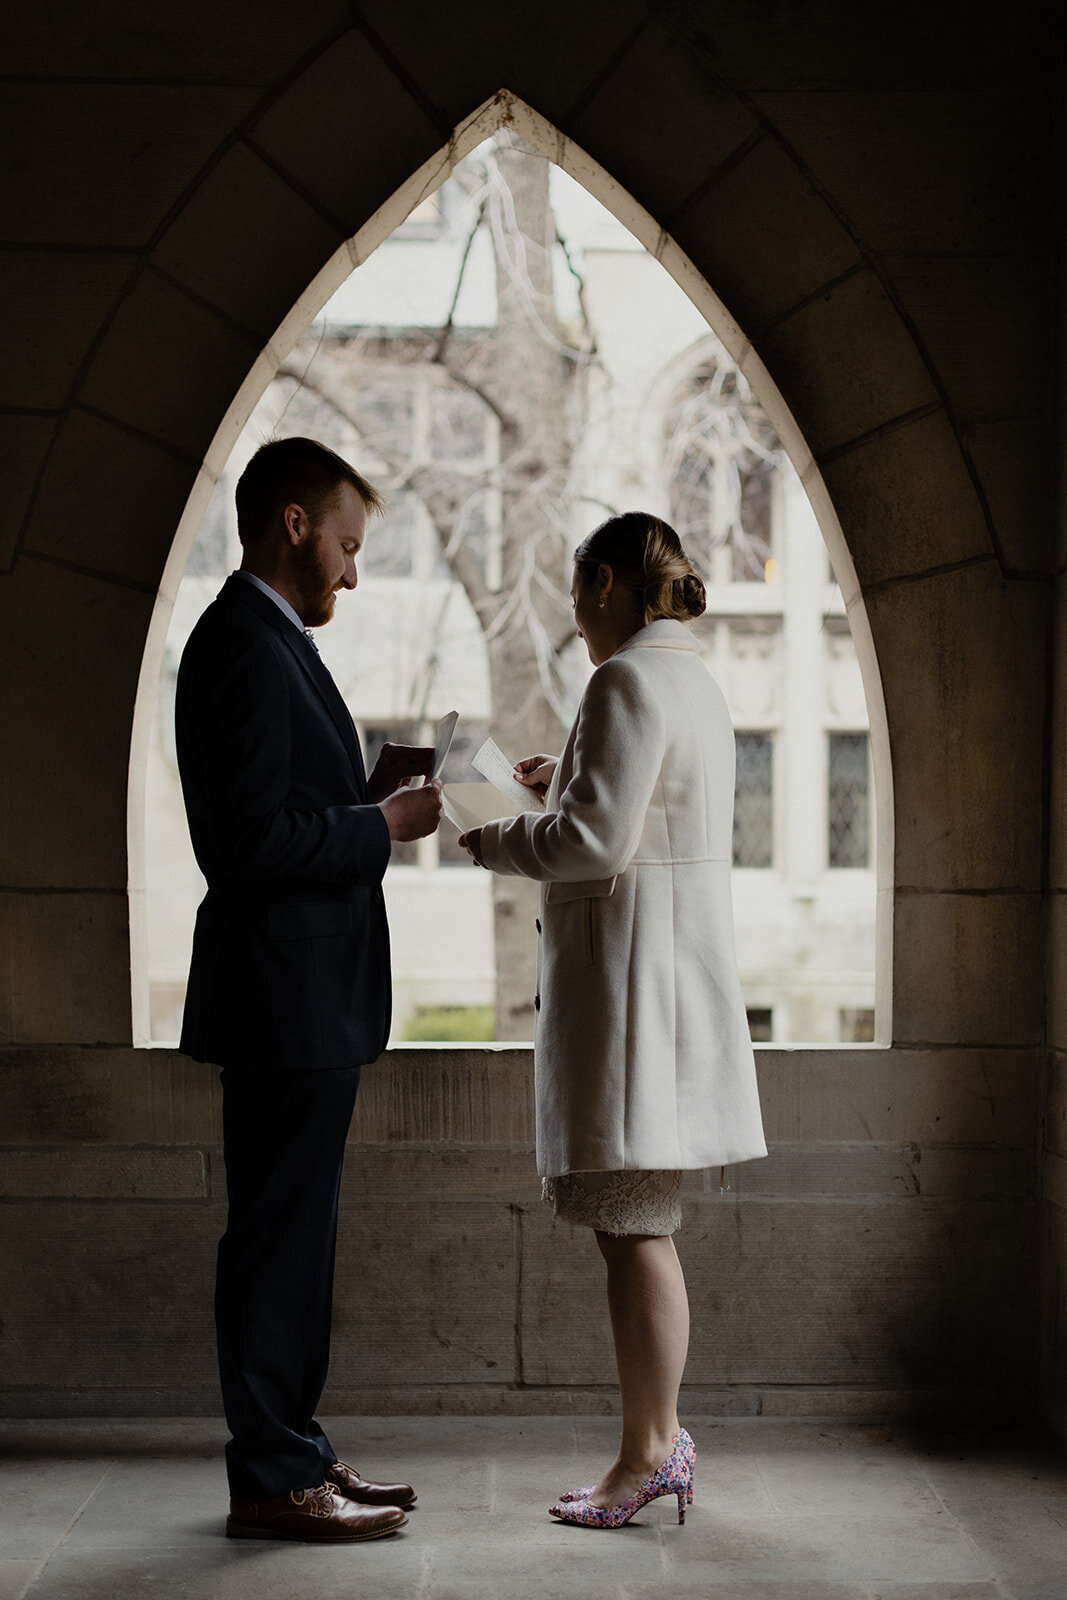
x: 600, y: 602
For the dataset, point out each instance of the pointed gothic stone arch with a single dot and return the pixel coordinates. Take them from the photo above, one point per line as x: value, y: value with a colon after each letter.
x: 506, y: 109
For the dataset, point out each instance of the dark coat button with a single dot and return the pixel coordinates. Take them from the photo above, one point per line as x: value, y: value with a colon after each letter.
x: 537, y: 924
x: 537, y: 1002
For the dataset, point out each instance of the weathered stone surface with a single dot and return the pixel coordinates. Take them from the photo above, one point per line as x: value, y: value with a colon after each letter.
x: 85, y: 1097
x: 124, y: 1303
x: 809, y: 1096
x: 828, y: 45
x: 426, y: 1291
x: 35, y: 1520
x: 1057, y: 848
x: 70, y: 655
x: 948, y: 193
x: 765, y: 240
x: 850, y: 1171
x: 110, y: 500
x: 375, y: 137
x: 1053, y: 1225
x: 247, y: 242
x: 963, y: 660
x: 102, y: 1175
x: 460, y: 61
x: 848, y: 363
x: 462, y: 1118
x: 982, y: 1097
x: 168, y: 366
x: 117, y: 156
x: 63, y: 298
x: 1054, y: 1180
x: 984, y: 323
x: 660, y: 98
x: 953, y: 979
x: 24, y: 442
x: 63, y: 959
x: 1055, y: 1120
x: 460, y: 1095
x: 407, y: 1171
x: 877, y: 1293
x: 1015, y: 462
x: 906, y: 501
x: 242, y: 42
x: 1056, y: 997
x: 924, y: 173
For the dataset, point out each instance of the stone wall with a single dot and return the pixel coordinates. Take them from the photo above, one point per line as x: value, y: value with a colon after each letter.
x: 870, y: 199
x: 880, y: 1261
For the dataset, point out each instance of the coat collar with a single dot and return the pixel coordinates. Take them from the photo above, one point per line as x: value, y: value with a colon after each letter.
x: 663, y: 634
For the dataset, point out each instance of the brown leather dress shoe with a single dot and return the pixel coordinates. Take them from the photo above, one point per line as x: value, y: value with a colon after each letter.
x: 321, y: 1516
x: 353, y: 1487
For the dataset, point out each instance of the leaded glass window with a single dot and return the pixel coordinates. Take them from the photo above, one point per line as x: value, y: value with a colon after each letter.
x: 849, y: 800
x: 856, y: 1024
x: 760, y: 1024
x: 754, y: 801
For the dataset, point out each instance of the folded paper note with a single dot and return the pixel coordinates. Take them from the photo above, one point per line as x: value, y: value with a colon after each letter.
x: 493, y: 764
x: 469, y: 805
x: 445, y: 729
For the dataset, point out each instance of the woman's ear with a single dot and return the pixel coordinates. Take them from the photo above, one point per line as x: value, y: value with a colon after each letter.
x: 605, y: 579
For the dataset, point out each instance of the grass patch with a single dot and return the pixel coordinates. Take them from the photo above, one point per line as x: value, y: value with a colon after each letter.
x: 451, y: 1024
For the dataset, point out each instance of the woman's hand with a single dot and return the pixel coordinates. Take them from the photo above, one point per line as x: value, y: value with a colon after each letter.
x: 536, y: 773
x: 472, y: 843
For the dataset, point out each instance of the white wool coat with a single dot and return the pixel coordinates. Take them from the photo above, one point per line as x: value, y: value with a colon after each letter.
x: 642, y: 1053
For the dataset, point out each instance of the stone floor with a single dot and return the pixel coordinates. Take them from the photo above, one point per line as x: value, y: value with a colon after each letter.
x: 784, y: 1510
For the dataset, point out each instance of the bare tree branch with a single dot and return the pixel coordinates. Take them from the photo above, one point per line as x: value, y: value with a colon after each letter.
x: 443, y: 336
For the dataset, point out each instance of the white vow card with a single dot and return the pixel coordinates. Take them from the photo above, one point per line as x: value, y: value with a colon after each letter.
x: 493, y: 764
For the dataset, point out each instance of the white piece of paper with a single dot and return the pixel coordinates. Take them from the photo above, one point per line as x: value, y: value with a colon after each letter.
x: 493, y: 764
x: 470, y: 805
x: 445, y: 730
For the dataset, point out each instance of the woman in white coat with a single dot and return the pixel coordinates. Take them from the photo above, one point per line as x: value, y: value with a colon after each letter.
x: 643, y: 1062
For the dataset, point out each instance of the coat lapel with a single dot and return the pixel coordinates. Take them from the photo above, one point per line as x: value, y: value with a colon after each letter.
x: 310, y: 663
x: 319, y: 673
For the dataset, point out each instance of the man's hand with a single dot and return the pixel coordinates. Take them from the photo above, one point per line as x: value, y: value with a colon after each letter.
x: 536, y: 773
x: 395, y: 767
x: 413, y: 813
x: 472, y: 843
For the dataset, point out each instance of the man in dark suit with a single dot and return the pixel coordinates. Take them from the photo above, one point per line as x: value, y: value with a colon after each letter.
x: 289, y: 987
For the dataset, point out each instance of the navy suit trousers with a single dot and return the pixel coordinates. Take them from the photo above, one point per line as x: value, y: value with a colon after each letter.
x: 284, y: 1141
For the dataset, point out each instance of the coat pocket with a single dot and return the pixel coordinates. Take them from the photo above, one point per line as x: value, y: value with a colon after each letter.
x: 309, y: 919
x: 557, y: 893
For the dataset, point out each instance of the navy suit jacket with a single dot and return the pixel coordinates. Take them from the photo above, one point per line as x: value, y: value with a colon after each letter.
x: 290, y: 964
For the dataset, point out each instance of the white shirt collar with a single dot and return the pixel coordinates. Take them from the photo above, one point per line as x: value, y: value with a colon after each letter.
x: 272, y: 594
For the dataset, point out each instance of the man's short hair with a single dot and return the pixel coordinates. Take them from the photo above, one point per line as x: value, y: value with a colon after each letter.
x: 298, y: 472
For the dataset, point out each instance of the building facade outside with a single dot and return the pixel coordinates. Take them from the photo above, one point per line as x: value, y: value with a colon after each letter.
x: 409, y: 647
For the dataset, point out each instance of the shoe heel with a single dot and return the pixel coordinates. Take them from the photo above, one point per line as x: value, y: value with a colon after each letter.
x: 681, y: 1506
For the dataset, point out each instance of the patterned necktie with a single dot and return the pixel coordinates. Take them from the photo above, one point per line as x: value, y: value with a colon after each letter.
x: 310, y: 637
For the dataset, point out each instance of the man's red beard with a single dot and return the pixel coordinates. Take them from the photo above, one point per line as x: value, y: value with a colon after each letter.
x: 316, y: 588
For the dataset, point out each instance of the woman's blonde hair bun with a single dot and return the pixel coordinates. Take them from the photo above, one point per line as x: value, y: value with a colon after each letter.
x: 646, y: 556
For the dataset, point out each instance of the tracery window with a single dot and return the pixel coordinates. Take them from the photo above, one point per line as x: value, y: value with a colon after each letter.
x: 849, y: 800
x: 721, y: 458
x: 754, y: 801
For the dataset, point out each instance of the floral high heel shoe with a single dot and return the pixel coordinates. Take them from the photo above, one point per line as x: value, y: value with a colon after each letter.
x: 675, y: 1477
x: 689, y: 1450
